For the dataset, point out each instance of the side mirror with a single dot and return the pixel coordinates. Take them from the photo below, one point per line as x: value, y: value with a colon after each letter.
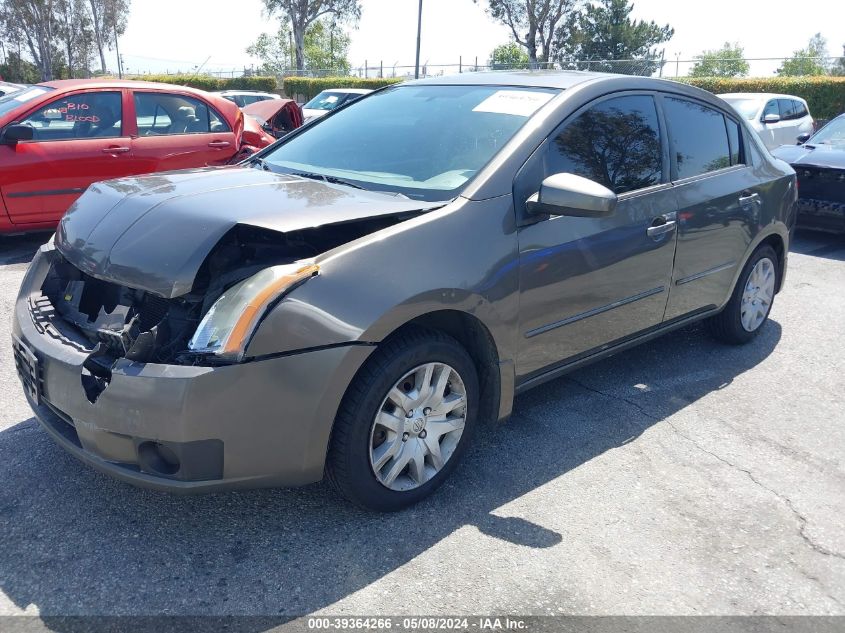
x: 803, y: 138
x: 771, y: 118
x: 568, y: 194
x: 17, y: 132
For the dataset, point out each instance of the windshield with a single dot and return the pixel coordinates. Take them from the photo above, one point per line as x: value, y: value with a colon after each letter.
x: 425, y: 142
x: 831, y: 134
x: 13, y: 101
x: 748, y: 108
x: 325, y: 101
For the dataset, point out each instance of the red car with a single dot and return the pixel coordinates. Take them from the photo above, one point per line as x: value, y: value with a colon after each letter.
x: 57, y: 138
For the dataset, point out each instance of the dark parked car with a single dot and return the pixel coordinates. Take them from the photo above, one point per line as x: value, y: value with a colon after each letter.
x: 358, y: 297
x: 819, y: 161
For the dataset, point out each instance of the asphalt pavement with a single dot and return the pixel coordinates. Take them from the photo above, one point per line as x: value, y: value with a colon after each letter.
x: 682, y: 477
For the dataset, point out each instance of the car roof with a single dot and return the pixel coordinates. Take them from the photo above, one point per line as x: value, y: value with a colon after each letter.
x: 357, y: 91
x: 72, y: 84
x: 757, y: 95
x: 528, y: 78
x: 242, y: 92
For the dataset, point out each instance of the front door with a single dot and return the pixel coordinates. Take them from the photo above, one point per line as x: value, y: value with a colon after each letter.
x: 78, y: 140
x: 587, y: 283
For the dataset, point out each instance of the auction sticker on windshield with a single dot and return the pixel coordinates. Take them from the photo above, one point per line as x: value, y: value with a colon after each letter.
x: 515, y: 102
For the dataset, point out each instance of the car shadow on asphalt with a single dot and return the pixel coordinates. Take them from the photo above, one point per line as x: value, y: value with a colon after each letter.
x: 77, y: 542
x: 818, y: 244
x: 20, y: 249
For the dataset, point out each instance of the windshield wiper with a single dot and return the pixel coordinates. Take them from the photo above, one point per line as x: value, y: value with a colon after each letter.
x: 331, y: 179
x: 257, y: 160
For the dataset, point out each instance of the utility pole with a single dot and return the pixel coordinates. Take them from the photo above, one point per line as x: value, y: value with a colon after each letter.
x: 117, y: 52
x: 331, y: 45
x: 290, y: 47
x: 419, y: 33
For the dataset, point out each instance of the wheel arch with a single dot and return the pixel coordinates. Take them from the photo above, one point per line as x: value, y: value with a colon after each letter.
x: 478, y: 341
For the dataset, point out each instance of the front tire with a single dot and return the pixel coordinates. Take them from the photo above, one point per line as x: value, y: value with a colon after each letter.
x: 751, y: 302
x: 404, y: 422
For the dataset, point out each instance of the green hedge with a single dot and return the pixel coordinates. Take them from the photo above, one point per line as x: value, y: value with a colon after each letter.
x: 309, y: 87
x: 204, y: 82
x: 824, y: 95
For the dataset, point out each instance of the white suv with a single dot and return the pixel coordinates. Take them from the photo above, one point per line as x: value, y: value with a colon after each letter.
x: 778, y: 119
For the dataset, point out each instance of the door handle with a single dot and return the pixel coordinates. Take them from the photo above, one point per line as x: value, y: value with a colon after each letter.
x: 115, y: 150
x: 662, y: 225
x: 219, y: 144
x: 746, y: 198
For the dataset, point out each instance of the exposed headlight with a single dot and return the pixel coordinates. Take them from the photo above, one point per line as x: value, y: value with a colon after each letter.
x: 227, y: 326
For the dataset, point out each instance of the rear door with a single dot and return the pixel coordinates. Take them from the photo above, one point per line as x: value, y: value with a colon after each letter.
x: 586, y: 283
x: 78, y: 139
x: 718, y: 199
x: 178, y: 131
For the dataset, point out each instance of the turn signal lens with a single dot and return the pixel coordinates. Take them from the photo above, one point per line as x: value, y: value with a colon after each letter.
x: 228, y: 325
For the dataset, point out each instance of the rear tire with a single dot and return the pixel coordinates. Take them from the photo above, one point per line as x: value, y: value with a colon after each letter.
x: 751, y: 302
x: 368, y: 461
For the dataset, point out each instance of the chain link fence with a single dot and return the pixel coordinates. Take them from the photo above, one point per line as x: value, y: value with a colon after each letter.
x: 660, y: 67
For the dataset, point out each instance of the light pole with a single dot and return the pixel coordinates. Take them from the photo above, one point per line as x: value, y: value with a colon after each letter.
x: 419, y: 32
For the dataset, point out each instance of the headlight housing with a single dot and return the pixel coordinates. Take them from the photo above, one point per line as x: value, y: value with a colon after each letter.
x: 227, y: 327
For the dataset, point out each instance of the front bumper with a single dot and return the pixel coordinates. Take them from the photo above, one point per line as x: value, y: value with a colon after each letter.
x: 821, y: 215
x: 185, y: 428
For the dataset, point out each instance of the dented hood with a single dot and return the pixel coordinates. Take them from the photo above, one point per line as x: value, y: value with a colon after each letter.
x: 154, y: 232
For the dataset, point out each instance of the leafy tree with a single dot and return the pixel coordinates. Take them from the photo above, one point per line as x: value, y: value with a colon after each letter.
x: 32, y: 23
x: 807, y: 61
x: 728, y: 61
x: 300, y: 14
x: 325, y: 47
x: 604, y: 32
x: 75, y: 31
x: 533, y: 23
x: 510, y: 55
x: 18, y: 70
x: 108, y: 17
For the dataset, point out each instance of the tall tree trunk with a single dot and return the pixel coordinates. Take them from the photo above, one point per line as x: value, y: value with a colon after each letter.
x: 299, y: 46
x: 98, y: 36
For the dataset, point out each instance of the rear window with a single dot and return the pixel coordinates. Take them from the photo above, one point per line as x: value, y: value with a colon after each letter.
x: 699, y: 138
x: 747, y: 108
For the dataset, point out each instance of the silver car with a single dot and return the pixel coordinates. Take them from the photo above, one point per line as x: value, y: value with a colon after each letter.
x: 355, y: 300
x: 778, y: 119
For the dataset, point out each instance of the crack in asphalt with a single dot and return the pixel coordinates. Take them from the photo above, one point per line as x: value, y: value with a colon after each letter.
x: 802, y: 520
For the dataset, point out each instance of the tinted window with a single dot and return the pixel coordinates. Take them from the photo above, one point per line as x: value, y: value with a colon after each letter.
x: 615, y: 143
x: 771, y: 108
x: 161, y: 114
x: 791, y: 109
x: 788, y: 109
x: 87, y: 115
x: 699, y: 139
x: 733, y: 138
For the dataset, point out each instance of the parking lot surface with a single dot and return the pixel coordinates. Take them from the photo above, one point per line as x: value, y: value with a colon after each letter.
x: 682, y: 477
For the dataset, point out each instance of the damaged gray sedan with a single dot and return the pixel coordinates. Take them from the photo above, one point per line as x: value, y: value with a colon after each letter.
x: 354, y: 300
